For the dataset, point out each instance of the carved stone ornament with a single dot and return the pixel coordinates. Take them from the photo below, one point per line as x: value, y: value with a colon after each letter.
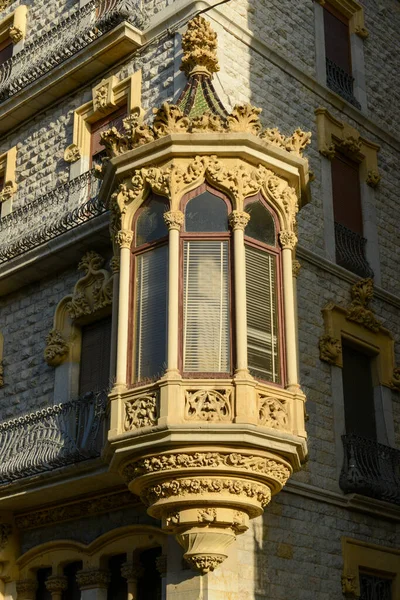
x: 349, y: 145
x: 131, y: 571
x: 396, y: 379
x: 72, y: 153
x: 272, y: 412
x: 124, y: 238
x: 1, y: 374
x: 100, y: 99
x: 56, y: 583
x: 5, y: 532
x: 329, y: 151
x: 295, y: 143
x: 4, y: 4
x: 287, y: 239
x: 208, y: 405
x: 205, y: 562
x: 330, y: 349
x: 349, y: 586
x: 26, y: 589
x: 199, y: 45
x: 8, y: 191
x: 93, y: 578
x: 16, y: 34
x: 162, y: 564
x: 56, y: 348
x: 296, y: 266
x: 174, y: 219
x: 359, y: 311
x: 141, y: 412
x: 362, y: 32
x: 373, y: 178
x: 238, y: 220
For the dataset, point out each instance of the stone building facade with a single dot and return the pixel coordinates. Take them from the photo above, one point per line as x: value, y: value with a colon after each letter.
x: 200, y: 293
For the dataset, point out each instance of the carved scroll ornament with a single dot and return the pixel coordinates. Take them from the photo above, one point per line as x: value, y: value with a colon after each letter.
x: 208, y: 405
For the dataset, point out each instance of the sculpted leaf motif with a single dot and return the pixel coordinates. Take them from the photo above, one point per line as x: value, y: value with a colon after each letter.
x: 244, y: 117
x: 169, y: 119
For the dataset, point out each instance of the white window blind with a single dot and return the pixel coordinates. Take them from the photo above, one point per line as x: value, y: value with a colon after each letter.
x: 206, y: 318
x: 151, y: 313
x: 262, y: 322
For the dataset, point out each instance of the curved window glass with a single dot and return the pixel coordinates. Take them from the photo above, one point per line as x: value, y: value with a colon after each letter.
x: 150, y: 225
x: 261, y: 226
x: 206, y: 213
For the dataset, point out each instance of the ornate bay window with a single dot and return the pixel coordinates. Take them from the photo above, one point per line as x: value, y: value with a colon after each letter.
x: 207, y: 415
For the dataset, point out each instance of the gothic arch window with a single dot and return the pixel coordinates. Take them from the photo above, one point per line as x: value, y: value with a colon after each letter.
x: 150, y: 277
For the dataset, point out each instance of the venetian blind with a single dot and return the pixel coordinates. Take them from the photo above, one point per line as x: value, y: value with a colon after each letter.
x: 206, y: 318
x: 151, y: 312
x: 262, y: 321
x: 95, y: 357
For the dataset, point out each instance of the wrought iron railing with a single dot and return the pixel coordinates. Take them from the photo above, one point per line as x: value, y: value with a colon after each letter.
x: 53, y: 437
x: 77, y: 31
x: 350, y: 251
x: 373, y: 587
x: 340, y: 82
x: 50, y: 215
x: 370, y: 469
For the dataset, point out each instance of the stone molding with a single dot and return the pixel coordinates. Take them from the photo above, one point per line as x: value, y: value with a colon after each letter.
x: 103, y: 95
x: 337, y: 135
x: 93, y: 579
x: 91, y: 295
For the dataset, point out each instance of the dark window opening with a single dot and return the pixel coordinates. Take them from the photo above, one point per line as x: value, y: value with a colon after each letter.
x: 374, y: 587
x: 118, y: 586
x: 6, y: 50
x: 337, y: 38
x: 149, y: 584
x: 358, y: 393
x: 95, y: 357
x: 73, y: 591
x: 41, y: 575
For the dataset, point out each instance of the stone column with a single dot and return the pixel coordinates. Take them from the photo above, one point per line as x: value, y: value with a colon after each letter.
x: 174, y: 221
x: 132, y: 572
x: 238, y: 221
x: 288, y: 241
x: 296, y: 266
x: 26, y: 589
x: 124, y: 240
x: 93, y: 584
x: 56, y: 584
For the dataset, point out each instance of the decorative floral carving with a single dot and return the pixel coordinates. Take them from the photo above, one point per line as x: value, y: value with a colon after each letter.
x: 329, y: 151
x: 93, y: 578
x: 179, y: 487
x: 296, y: 143
x: 207, y: 123
x: 26, y: 589
x: 362, y: 32
x: 213, y: 460
x: 272, y: 412
x: 172, y: 518
x: 8, y: 190
x: 296, y: 266
x: 94, y: 290
x: 362, y: 293
x: 287, y: 239
x: 56, y: 348
x: 115, y: 264
x: 124, y: 238
x: 72, y: 153
x: 100, y: 100
x: 131, y: 571
x: 174, y: 219
x: 169, y: 119
x: 199, y: 45
x: 16, y: 34
x: 208, y: 405
x: 349, y: 144
x: 141, y: 412
x: 239, y: 521
x: 349, y: 586
x: 396, y: 379
x: 205, y: 562
x: 238, y: 220
x: 373, y: 178
x: 5, y: 532
x: 330, y: 349
x: 206, y: 515
x: 244, y: 117
x: 56, y: 583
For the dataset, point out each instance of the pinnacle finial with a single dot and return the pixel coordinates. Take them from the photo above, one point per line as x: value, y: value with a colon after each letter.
x: 199, y: 45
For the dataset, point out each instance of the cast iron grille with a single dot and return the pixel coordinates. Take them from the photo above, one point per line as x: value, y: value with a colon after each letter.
x: 375, y: 588
x: 370, y: 469
x: 50, y: 215
x: 64, y: 40
x: 350, y: 251
x: 340, y: 82
x: 53, y: 437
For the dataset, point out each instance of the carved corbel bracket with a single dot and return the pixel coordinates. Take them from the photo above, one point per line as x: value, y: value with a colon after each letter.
x: 103, y: 94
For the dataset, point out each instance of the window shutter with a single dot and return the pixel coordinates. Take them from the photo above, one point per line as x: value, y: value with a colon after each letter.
x: 206, y: 315
x: 95, y: 357
x: 346, y: 193
x: 337, y: 39
x: 151, y: 312
x: 262, y: 321
x: 358, y: 393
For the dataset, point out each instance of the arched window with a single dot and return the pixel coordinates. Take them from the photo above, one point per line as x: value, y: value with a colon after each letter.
x: 150, y: 298
x: 206, y: 335
x: 261, y: 293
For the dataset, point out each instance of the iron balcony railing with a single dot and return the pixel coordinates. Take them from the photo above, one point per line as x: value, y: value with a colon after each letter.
x: 350, y: 251
x: 370, y: 469
x: 50, y: 215
x: 53, y: 437
x: 373, y: 587
x: 77, y: 31
x: 340, y: 82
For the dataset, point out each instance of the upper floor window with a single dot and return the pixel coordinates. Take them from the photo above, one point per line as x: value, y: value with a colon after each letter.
x: 94, y: 373
x: 375, y: 587
x: 6, y: 50
x: 114, y: 119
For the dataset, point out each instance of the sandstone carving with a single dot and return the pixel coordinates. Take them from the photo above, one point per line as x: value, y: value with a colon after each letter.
x: 141, y: 412
x: 362, y: 293
x: 208, y: 405
x: 238, y: 220
x: 330, y: 349
x: 349, y: 586
x: 205, y: 562
x: 288, y: 239
x: 94, y: 290
x: 8, y: 190
x: 5, y: 532
x: 56, y: 348
x: 26, y: 589
x: 296, y: 266
x: 72, y: 153
x: 373, y: 178
x: 396, y: 379
x: 199, y: 45
x: 56, y: 583
x: 93, y: 578
x: 16, y: 34
x: 296, y: 143
x: 174, y: 219
x: 272, y: 412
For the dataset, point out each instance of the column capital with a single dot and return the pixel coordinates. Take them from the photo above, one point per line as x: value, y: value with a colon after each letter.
x: 93, y: 578
x: 238, y: 220
x: 124, y: 238
x: 174, y: 219
x: 131, y: 571
x: 56, y: 583
x: 288, y: 239
x: 26, y: 589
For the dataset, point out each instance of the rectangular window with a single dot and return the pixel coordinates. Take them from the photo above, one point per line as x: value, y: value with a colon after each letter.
x: 206, y: 307
x: 358, y: 393
x: 6, y: 50
x: 97, y: 151
x: 262, y: 318
x: 374, y: 587
x: 95, y: 357
x: 151, y: 313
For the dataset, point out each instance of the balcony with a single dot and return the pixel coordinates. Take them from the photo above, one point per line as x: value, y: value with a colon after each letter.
x: 86, y: 43
x: 370, y: 469
x: 340, y: 82
x: 53, y: 437
x: 350, y: 251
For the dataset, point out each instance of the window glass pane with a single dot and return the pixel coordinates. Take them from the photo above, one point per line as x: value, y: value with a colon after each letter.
x: 151, y: 312
x: 150, y: 225
x: 94, y: 373
x: 206, y: 212
x: 206, y: 318
x: 261, y: 226
x: 262, y: 318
